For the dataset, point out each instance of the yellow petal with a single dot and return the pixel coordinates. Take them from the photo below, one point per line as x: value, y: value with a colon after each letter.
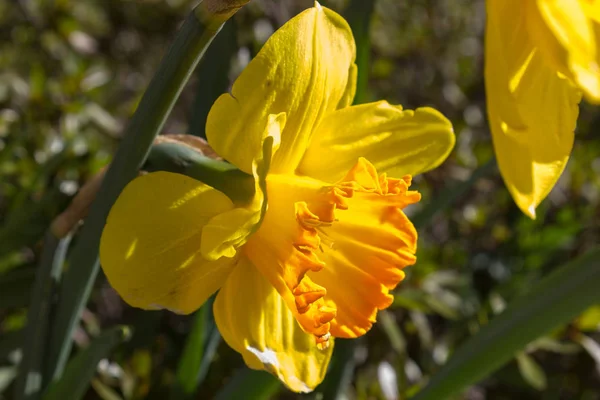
x: 255, y: 321
x: 591, y: 9
x: 507, y: 48
x: 310, y: 223
x: 226, y: 232
x: 150, y: 246
x: 350, y: 92
x: 532, y: 153
x: 396, y: 141
x: 302, y: 70
x: 565, y: 34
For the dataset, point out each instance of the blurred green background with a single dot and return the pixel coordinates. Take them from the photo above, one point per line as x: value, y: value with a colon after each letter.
x: 72, y: 73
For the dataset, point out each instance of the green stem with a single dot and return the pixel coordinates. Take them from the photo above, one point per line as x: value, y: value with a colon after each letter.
x: 221, y: 175
x: 190, y: 44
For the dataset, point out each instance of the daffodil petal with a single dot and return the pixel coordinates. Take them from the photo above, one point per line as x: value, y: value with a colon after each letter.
x: 565, y: 34
x: 302, y: 70
x: 350, y: 92
x: 150, y: 246
x: 255, y: 321
x: 533, y: 152
x: 396, y: 141
x: 507, y: 48
x: 226, y: 232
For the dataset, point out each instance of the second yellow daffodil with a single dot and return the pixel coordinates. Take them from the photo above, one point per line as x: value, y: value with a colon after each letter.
x: 318, y: 250
x: 540, y: 56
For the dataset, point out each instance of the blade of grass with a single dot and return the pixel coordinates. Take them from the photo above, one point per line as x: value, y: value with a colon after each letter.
x: 30, y: 379
x: 198, y: 352
x: 209, y: 352
x: 178, y: 64
x: 359, y: 14
x: 554, y: 301
x: 193, y: 353
x: 80, y: 371
x: 249, y: 384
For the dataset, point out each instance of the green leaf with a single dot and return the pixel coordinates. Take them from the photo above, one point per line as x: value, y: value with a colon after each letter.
x: 531, y: 372
x: 178, y: 64
x: 82, y: 368
x: 554, y: 301
x: 359, y: 14
x: 30, y: 380
x: 249, y: 384
x: 191, y: 361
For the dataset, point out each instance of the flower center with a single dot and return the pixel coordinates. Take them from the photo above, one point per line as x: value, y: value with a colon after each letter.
x: 291, y: 238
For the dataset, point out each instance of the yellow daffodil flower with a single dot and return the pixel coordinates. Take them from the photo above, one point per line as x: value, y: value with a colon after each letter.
x: 541, y: 55
x: 319, y: 249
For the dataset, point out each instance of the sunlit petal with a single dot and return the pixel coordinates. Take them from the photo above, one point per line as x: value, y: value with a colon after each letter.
x: 396, y: 141
x: 255, y: 321
x: 150, y: 246
x: 565, y: 34
x: 533, y: 152
x: 303, y: 70
x: 226, y: 232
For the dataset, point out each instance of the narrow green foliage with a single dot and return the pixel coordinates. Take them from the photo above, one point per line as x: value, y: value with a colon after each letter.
x: 556, y: 300
x: 359, y: 14
x: 81, y: 369
x: 153, y: 110
x: 30, y: 380
x: 192, y: 356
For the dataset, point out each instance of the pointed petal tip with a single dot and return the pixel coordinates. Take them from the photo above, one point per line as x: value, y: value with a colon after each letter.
x: 531, y: 211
